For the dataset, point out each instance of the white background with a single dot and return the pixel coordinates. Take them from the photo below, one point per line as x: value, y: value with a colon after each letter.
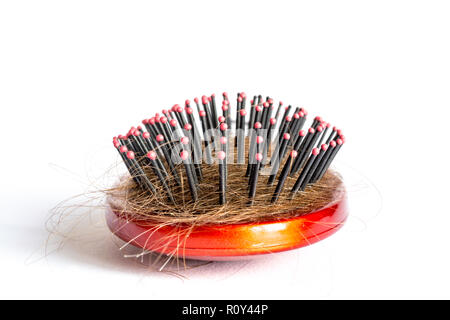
x: 74, y: 74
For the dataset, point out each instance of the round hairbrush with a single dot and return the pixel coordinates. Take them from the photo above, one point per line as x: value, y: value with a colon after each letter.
x: 214, y: 192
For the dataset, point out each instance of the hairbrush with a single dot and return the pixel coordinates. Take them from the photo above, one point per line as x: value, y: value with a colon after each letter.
x: 213, y: 183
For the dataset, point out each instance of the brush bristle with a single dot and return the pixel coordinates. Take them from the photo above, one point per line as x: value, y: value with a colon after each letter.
x: 178, y: 134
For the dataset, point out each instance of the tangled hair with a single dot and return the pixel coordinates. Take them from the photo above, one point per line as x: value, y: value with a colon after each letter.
x: 130, y: 201
x: 137, y: 205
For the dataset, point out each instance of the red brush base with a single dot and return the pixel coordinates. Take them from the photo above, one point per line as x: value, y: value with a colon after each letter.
x: 232, y: 242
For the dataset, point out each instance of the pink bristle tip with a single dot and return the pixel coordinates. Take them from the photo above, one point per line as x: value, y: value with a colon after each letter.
x: 204, y: 100
x: 163, y: 120
x: 187, y: 126
x: 130, y: 155
x: 221, y: 155
x: 187, y: 102
x: 151, y: 121
x: 243, y: 95
x: 116, y: 143
x: 319, y: 128
x: 318, y: 118
x: 339, y: 141
x: 225, y: 102
x: 240, y: 99
x: 273, y: 121
x: 173, y: 122
x: 257, y: 125
x: 311, y: 130
x: 270, y: 100
x: 302, y: 133
x: 243, y: 112
x: 146, y: 135
x: 288, y: 118
x: 151, y: 155
x: 223, y: 126
x: 286, y: 136
x: 145, y: 121
x: 258, y: 108
x: 213, y: 95
x: 123, y: 149
x: 258, y: 156
x: 223, y: 140
x: 179, y: 109
x: 184, y: 155
x: 196, y: 100
x: 189, y: 110
x: 159, y: 138
x: 221, y: 119
x: 202, y: 113
x: 333, y: 143
x: 259, y: 139
x: 224, y: 107
x: 281, y: 102
x: 225, y: 94
x: 296, y: 116
x: 184, y: 140
x: 324, y: 147
x: 265, y: 104
x: 315, y: 151
x: 294, y: 154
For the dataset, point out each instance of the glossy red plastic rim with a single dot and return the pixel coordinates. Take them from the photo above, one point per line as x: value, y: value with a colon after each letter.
x: 231, y: 242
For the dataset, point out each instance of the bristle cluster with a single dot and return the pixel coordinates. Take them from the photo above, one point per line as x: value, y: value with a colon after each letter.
x: 279, y: 143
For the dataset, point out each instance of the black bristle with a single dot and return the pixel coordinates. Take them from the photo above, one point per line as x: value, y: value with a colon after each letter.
x: 329, y: 160
x: 304, y: 172
x: 305, y: 150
